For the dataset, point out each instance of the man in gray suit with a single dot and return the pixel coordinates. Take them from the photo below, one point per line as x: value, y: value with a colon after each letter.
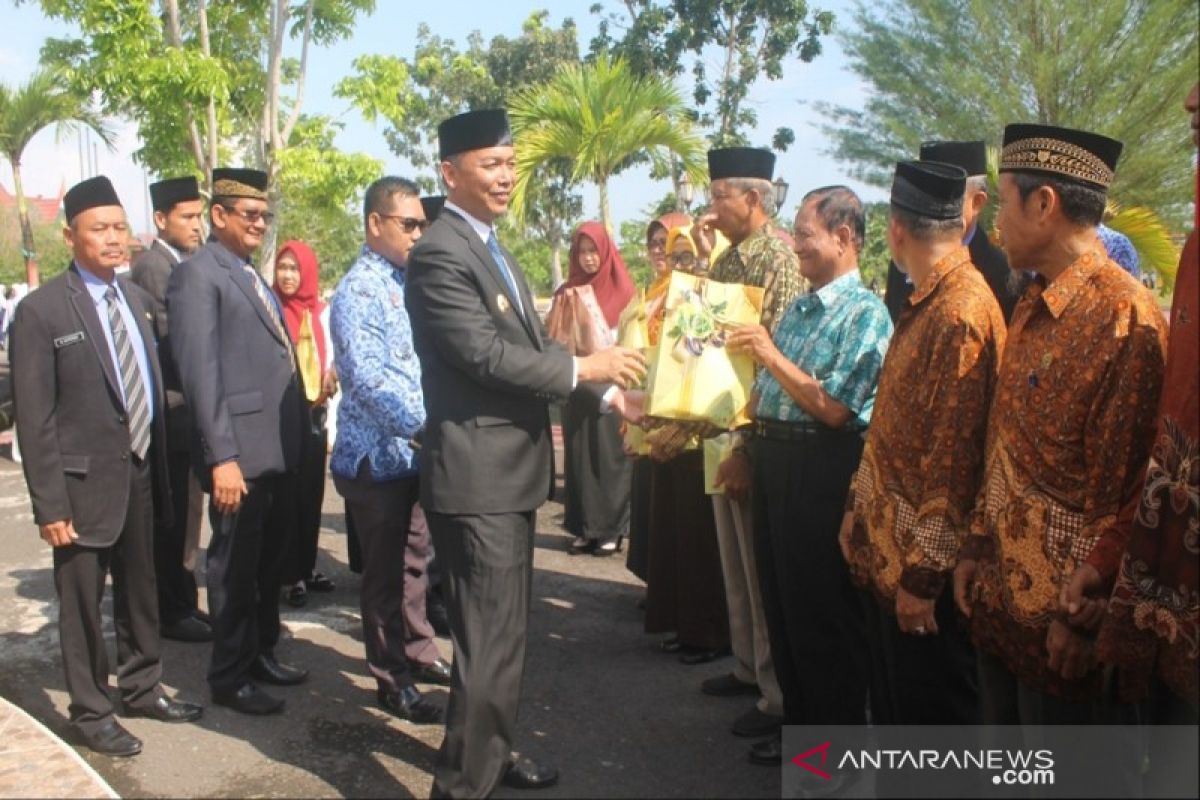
x: 488, y: 371
x: 241, y: 382
x: 88, y: 397
x: 177, y: 212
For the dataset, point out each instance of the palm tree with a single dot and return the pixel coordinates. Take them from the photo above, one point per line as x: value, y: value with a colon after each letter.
x: 601, y: 117
x: 24, y: 111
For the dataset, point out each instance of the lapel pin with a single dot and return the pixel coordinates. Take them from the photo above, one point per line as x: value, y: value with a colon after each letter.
x: 502, y: 303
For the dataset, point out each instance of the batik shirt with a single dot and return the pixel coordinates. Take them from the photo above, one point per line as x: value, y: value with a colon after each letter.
x: 923, y: 459
x: 382, y: 405
x: 1069, y: 432
x: 839, y: 336
x: 763, y: 259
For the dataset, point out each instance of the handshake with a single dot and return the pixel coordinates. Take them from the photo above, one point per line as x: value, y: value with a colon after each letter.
x: 624, y: 367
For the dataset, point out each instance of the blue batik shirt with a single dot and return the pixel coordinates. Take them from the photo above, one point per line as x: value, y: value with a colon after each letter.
x: 1121, y: 250
x: 382, y: 405
x: 839, y: 335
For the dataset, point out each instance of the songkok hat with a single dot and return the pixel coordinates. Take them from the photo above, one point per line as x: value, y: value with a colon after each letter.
x: 1080, y: 156
x: 929, y: 189
x: 473, y: 130
x: 165, y: 194
x: 92, y: 193
x: 432, y: 206
x: 231, y: 182
x: 740, y: 162
x: 971, y: 156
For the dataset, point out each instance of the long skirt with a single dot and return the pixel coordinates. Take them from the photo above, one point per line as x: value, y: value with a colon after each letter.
x: 638, y: 557
x: 686, y: 588
x: 596, y: 474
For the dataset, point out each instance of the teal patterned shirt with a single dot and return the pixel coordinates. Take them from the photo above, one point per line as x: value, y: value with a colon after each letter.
x: 839, y: 335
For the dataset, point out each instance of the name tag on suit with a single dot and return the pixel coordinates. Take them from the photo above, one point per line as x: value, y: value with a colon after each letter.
x: 69, y: 339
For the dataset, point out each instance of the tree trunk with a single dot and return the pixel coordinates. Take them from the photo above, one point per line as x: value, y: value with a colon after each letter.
x: 602, y: 183
x: 211, y: 111
x: 31, y: 265
x: 556, y: 276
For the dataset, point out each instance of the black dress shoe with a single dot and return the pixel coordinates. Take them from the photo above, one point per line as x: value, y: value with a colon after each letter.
x: 767, y: 753
x: 524, y: 773
x: 188, y: 629
x: 756, y: 724
x: 408, y: 703
x: 164, y: 709
x: 727, y: 685
x: 266, y: 669
x: 112, y: 740
x: 699, y: 655
x: 671, y: 644
x: 249, y: 699
x: 438, y: 672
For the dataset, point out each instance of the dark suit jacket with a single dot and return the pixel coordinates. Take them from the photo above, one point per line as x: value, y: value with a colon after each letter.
x: 151, y: 270
x: 70, y: 417
x: 236, y: 371
x: 990, y: 260
x: 487, y: 375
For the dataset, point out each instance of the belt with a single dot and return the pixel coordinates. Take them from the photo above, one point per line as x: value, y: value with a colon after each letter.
x: 787, y: 431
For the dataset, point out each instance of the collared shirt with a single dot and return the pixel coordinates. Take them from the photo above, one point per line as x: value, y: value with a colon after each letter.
x: 166, y: 246
x: 923, y: 460
x: 763, y: 259
x: 1070, y: 429
x: 96, y: 287
x: 838, y: 335
x: 381, y: 406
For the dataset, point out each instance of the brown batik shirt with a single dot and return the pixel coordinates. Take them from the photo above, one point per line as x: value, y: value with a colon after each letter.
x: 1069, y: 433
x: 763, y: 259
x: 923, y: 460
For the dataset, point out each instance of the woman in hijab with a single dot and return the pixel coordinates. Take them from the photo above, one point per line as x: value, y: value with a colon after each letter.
x: 296, y: 286
x: 597, y: 473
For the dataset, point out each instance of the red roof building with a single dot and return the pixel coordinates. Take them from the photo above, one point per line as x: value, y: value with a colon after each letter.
x: 41, y: 209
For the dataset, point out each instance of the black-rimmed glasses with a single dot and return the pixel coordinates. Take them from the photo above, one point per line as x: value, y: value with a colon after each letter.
x: 408, y: 224
x: 266, y: 217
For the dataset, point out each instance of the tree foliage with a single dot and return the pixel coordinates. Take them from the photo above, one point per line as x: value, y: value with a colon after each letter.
x: 751, y: 38
x: 962, y: 69
x: 599, y: 117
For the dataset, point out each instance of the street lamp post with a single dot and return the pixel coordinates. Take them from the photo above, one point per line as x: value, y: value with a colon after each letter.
x: 781, y: 191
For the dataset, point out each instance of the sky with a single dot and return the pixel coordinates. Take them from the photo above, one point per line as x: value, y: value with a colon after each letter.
x: 50, y: 162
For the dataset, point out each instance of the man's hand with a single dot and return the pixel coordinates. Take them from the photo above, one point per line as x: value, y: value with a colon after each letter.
x: 1082, y: 598
x: 704, y: 235
x: 736, y: 474
x: 667, y: 441
x: 1072, y: 655
x: 58, y: 534
x: 752, y: 339
x: 844, y: 535
x: 964, y: 578
x: 913, y: 614
x: 630, y: 404
x: 228, y: 488
x: 620, y: 365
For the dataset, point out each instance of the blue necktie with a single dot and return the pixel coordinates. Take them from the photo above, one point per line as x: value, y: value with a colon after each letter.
x: 494, y: 247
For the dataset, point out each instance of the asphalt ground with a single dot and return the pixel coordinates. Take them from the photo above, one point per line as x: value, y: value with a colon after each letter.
x: 601, y: 702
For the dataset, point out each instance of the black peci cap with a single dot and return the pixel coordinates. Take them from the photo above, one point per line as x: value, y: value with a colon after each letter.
x: 1081, y: 156
x: 92, y: 193
x: 929, y: 189
x: 432, y: 206
x: 741, y: 162
x: 473, y: 130
x: 165, y: 194
x: 971, y: 156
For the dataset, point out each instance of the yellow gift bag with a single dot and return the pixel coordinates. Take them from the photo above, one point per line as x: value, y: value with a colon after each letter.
x: 691, y: 375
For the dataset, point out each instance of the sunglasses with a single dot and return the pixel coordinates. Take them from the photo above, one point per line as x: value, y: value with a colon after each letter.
x: 408, y: 224
x: 252, y: 217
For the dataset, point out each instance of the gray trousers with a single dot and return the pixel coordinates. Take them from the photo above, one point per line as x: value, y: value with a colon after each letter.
x: 487, y: 561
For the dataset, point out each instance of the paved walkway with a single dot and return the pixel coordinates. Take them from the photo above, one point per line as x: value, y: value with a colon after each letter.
x: 36, y: 763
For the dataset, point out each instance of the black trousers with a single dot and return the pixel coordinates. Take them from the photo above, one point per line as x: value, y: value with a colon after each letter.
x: 177, y: 595
x: 921, y: 680
x: 814, y: 614
x: 487, y: 561
x: 245, y: 561
x: 382, y: 514
x: 79, y: 576
x: 301, y: 515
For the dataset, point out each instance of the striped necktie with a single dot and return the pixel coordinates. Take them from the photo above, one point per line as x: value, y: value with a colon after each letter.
x: 137, y: 406
x: 264, y: 294
x: 494, y: 246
